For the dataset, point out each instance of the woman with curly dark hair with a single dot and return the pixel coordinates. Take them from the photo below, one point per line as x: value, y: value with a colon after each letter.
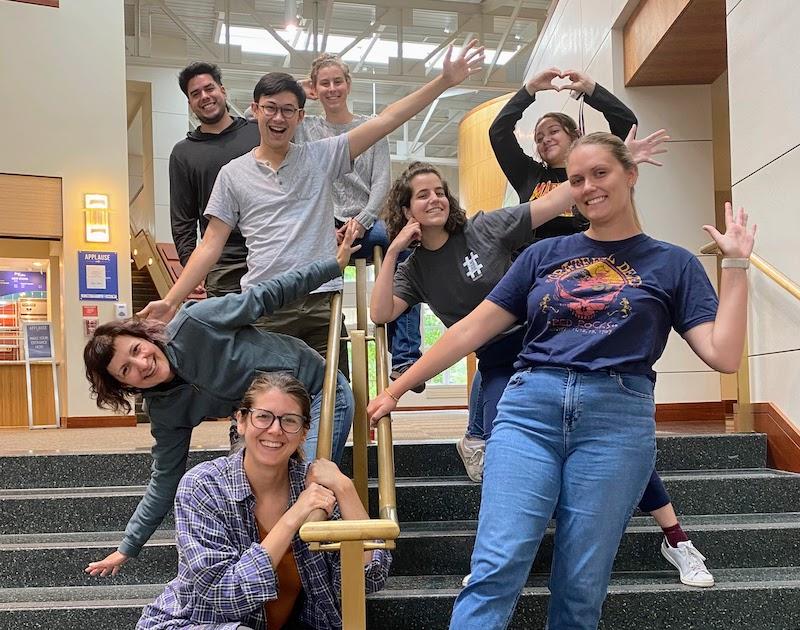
x: 457, y: 263
x: 198, y: 366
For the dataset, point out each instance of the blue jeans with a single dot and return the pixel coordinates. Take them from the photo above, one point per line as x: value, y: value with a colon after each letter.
x: 404, y: 332
x: 577, y: 446
x: 342, y: 419
x: 495, y: 368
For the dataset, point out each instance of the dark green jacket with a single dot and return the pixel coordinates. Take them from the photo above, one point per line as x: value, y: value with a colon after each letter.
x: 215, y: 353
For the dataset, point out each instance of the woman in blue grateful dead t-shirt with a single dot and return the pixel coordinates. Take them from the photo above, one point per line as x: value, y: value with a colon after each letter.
x: 574, y: 436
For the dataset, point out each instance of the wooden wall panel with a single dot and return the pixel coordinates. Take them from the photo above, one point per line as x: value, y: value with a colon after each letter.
x: 13, y: 397
x: 675, y: 42
x: 30, y: 206
x: 481, y: 182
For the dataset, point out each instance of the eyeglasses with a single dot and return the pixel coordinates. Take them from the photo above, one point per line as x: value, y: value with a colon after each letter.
x: 263, y: 419
x: 288, y: 111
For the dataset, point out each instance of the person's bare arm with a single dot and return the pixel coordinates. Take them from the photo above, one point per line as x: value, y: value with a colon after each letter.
x: 384, y: 305
x: 200, y: 263
x: 468, y: 62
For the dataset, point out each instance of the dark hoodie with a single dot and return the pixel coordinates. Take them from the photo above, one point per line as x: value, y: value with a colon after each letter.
x: 193, y: 168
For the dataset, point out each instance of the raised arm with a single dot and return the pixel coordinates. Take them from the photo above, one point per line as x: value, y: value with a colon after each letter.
x: 517, y: 165
x: 720, y: 343
x: 200, y: 263
x: 384, y: 305
x: 468, y: 62
x: 619, y: 116
x: 483, y: 324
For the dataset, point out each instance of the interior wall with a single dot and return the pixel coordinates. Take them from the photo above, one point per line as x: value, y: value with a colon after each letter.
x: 169, y: 124
x: 765, y: 158
x: 674, y: 201
x: 65, y: 106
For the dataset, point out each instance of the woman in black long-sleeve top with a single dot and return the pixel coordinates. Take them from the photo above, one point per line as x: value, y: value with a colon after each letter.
x: 554, y: 133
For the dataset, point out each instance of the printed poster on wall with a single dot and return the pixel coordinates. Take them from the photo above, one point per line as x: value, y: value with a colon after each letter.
x: 38, y: 340
x: 97, y: 276
x: 13, y: 282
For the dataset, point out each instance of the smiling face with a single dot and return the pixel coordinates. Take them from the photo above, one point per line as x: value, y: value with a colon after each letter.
x: 332, y: 88
x: 138, y: 363
x: 601, y: 185
x: 207, y: 98
x: 271, y: 446
x: 278, y: 129
x: 428, y: 204
x: 552, y: 141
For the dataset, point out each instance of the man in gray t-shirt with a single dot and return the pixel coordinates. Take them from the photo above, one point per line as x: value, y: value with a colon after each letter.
x: 293, y: 224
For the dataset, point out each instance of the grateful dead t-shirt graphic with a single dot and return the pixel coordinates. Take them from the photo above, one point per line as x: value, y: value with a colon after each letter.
x: 586, y: 295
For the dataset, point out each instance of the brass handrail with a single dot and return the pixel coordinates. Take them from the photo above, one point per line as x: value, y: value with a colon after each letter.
x: 767, y: 269
x: 145, y: 254
x: 351, y: 538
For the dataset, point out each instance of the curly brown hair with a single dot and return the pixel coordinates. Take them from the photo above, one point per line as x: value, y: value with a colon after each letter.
x: 285, y: 383
x: 99, y: 350
x: 399, y: 198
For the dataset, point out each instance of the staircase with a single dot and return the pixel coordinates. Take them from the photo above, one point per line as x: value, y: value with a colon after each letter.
x: 59, y: 512
x: 143, y: 291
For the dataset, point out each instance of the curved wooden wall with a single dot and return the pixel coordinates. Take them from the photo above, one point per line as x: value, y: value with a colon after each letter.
x: 481, y: 183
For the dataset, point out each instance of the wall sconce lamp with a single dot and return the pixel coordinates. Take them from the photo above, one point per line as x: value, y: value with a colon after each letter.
x: 96, y: 215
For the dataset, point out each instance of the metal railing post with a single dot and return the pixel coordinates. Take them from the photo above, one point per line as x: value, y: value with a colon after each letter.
x: 360, y: 432
x: 354, y: 605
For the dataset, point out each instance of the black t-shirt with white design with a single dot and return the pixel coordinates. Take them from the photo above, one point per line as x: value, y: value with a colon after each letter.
x: 455, y: 278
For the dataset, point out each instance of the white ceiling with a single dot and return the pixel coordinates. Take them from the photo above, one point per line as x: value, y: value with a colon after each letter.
x: 173, y: 32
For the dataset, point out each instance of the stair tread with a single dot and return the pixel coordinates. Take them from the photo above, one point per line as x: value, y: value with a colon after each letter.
x: 419, y: 529
x: 112, y: 595
x: 726, y: 579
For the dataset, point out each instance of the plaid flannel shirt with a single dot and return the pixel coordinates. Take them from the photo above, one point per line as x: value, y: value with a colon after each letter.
x: 224, y: 575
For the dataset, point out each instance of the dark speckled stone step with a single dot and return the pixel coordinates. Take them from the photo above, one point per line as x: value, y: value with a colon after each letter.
x: 412, y: 459
x: 431, y: 499
x: 743, y: 599
x: 730, y: 541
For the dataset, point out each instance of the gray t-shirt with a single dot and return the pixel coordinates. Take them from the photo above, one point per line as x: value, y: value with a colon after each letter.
x: 361, y: 192
x: 455, y: 278
x: 284, y: 215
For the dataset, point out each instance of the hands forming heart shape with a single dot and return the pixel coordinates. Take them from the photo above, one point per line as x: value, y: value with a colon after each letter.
x: 558, y: 80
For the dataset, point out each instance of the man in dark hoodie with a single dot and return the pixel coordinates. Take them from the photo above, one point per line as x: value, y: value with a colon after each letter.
x: 193, y: 167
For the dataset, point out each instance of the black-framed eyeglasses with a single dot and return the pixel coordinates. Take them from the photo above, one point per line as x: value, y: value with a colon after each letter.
x: 288, y: 111
x: 263, y: 419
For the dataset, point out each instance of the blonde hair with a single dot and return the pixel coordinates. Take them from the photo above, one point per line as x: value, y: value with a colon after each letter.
x: 618, y: 150
x: 326, y: 60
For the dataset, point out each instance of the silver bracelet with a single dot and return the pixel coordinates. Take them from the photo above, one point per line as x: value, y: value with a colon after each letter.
x: 735, y: 263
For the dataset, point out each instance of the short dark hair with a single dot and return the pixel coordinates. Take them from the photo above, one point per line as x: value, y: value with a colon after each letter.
x: 99, y: 350
x: 194, y: 69
x: 277, y: 82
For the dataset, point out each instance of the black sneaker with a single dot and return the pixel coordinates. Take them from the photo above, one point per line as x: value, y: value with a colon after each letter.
x: 417, y: 389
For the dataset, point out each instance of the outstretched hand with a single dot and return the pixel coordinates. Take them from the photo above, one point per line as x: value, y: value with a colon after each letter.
x: 308, y: 88
x: 109, y: 565
x: 380, y: 406
x: 468, y: 62
x: 346, y: 247
x: 158, y: 309
x: 737, y: 242
x: 643, y: 150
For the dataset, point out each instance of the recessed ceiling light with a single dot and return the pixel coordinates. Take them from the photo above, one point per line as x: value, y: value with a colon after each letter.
x: 37, y: 264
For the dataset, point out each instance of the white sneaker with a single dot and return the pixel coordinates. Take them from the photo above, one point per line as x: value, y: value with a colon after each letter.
x: 471, y: 450
x: 689, y: 563
x: 465, y: 581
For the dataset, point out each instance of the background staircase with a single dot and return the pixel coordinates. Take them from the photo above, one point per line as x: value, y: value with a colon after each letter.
x: 59, y: 512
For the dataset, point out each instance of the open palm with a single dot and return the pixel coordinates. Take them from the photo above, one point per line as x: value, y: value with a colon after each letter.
x: 737, y: 242
x: 468, y: 62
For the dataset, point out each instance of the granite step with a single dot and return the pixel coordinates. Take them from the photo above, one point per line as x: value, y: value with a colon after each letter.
x: 743, y: 599
x: 729, y: 541
x: 412, y: 459
x: 740, y: 491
